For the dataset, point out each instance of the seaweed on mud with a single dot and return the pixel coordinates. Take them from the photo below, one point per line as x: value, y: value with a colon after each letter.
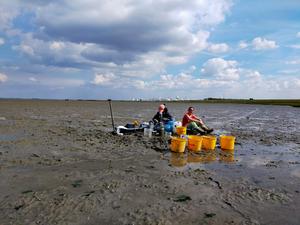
x: 87, y: 194
x: 216, y: 182
x: 17, y: 207
x: 27, y: 191
x: 182, y: 198
x: 209, y: 215
x: 77, y: 183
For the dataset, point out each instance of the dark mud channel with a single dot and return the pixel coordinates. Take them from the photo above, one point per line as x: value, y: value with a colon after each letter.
x: 59, y: 164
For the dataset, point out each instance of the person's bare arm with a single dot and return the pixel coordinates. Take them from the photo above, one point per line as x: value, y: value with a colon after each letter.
x: 197, y: 119
x: 194, y: 119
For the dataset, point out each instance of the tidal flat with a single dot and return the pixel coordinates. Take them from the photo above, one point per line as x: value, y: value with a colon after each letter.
x: 60, y: 164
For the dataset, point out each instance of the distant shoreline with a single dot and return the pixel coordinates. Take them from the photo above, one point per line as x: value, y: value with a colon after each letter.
x: 283, y: 102
x: 286, y: 102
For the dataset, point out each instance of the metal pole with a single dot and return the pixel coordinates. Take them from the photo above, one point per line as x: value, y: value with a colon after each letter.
x: 111, y: 114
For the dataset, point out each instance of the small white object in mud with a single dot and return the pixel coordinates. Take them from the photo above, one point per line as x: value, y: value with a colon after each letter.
x: 119, y: 128
x: 2, y: 118
x: 176, y: 124
x: 97, y: 121
x: 148, y: 132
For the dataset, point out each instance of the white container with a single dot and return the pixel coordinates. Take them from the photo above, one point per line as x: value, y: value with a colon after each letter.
x: 148, y: 132
x: 176, y: 124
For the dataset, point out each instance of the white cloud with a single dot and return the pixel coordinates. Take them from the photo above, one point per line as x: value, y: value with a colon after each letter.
x: 61, y: 82
x: 118, y: 82
x: 8, y: 11
x: 24, y: 48
x: 170, y: 23
x: 290, y: 71
x: 2, y: 41
x: 293, y: 62
x: 77, y: 55
x: 33, y: 79
x: 49, y: 53
x: 295, y: 46
x: 139, y: 84
x: 193, y: 68
x: 298, y: 35
x: 251, y: 84
x: 218, y: 48
x: 243, y: 44
x: 103, y: 79
x: 169, y: 81
x: 296, y: 82
x: 190, y: 70
x: 252, y: 74
x: 165, y: 33
x: 3, y: 77
x: 48, y: 81
x: 221, y: 69
x: 259, y: 43
x: 55, y: 45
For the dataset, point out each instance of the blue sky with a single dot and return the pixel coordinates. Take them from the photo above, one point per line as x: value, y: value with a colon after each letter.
x: 125, y: 49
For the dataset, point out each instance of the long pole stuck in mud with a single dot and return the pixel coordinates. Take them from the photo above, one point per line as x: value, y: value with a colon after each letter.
x: 111, y: 115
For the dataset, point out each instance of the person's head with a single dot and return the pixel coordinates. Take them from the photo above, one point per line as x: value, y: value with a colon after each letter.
x: 161, y: 108
x: 190, y: 110
x: 165, y: 109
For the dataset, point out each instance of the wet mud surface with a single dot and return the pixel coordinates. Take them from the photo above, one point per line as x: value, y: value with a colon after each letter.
x: 59, y: 164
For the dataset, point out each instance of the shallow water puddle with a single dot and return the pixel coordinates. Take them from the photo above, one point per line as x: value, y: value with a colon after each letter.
x: 247, y: 160
x: 196, y: 160
x: 6, y: 137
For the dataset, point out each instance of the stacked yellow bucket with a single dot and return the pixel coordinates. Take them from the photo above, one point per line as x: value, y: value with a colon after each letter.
x: 177, y: 143
x: 197, y: 143
x: 181, y: 131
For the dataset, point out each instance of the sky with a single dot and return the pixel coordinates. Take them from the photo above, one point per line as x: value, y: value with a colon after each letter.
x: 150, y: 49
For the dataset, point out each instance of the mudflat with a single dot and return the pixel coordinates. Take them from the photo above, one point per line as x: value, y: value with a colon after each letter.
x: 60, y: 164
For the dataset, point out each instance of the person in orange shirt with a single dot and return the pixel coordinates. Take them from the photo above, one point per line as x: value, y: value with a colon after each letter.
x: 195, y: 124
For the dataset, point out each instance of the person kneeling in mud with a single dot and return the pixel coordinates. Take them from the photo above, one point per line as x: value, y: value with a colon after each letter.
x: 194, y: 124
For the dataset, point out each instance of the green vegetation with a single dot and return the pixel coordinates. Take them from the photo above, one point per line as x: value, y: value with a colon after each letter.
x: 289, y: 102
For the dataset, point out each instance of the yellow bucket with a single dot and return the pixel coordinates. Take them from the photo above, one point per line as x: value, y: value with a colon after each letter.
x: 194, y: 143
x: 227, y: 142
x: 178, y: 144
x: 209, y: 142
x: 181, y: 130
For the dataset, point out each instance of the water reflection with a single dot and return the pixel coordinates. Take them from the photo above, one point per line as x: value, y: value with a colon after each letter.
x: 208, y: 156
x: 178, y: 159
x: 182, y: 159
x: 226, y: 156
x: 194, y: 158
